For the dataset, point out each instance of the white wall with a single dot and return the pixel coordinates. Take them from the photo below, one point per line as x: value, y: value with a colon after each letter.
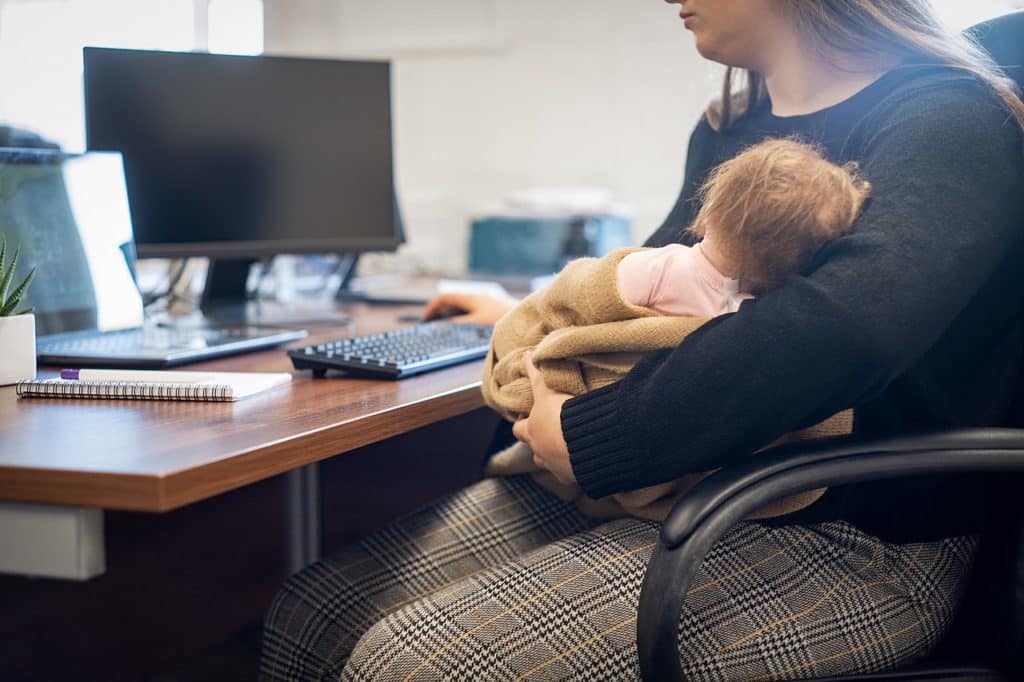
x: 491, y: 97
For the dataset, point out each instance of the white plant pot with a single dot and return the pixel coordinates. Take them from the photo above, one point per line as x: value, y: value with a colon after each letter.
x: 17, y: 349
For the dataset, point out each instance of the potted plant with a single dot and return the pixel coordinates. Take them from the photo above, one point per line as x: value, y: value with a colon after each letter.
x: 17, y: 324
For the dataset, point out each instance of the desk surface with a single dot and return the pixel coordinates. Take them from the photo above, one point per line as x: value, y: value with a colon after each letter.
x: 157, y: 456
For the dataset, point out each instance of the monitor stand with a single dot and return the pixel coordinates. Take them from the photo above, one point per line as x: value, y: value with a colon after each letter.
x: 226, y: 299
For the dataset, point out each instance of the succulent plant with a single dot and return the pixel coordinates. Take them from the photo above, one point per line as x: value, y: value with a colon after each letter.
x: 9, y: 303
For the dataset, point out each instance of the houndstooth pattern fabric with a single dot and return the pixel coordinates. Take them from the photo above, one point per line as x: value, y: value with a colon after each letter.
x: 320, y: 613
x: 504, y: 582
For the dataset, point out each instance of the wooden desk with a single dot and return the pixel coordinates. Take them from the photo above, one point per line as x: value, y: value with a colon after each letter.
x: 157, y: 456
x: 176, y: 582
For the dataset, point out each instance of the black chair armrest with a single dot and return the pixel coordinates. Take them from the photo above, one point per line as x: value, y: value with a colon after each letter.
x: 715, y: 505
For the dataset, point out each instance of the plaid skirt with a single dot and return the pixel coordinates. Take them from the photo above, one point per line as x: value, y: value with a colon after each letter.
x: 503, y: 581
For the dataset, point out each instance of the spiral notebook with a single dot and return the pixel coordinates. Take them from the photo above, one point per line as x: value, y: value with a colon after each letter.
x: 139, y: 385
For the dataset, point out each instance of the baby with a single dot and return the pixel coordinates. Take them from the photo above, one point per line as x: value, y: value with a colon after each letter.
x: 764, y: 216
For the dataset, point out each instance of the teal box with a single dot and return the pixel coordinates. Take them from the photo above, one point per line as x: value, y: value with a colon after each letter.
x: 531, y: 246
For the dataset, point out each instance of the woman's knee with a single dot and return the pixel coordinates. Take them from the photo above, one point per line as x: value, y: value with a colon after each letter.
x: 306, y: 628
x: 377, y: 650
x: 413, y: 643
x: 296, y: 602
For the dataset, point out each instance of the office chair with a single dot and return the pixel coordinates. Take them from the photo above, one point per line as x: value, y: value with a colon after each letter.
x: 989, y: 631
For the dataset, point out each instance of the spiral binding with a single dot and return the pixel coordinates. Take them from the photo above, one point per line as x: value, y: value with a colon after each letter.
x: 122, y: 390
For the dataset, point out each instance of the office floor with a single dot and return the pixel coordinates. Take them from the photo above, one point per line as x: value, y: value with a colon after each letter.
x: 236, y: 658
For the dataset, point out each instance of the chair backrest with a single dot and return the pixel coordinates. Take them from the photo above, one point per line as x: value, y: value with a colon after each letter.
x: 1003, y: 38
x: 995, y: 601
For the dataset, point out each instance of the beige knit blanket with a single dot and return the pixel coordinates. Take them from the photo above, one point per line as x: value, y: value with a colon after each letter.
x: 583, y: 336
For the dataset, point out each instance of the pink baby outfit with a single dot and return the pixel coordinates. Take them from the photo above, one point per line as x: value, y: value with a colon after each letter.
x: 678, y: 280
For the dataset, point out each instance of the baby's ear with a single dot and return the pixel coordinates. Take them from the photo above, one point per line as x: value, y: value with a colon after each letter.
x: 864, y: 187
x: 698, y: 228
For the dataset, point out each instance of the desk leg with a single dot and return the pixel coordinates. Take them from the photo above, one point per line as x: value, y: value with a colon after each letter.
x: 302, y: 517
x: 311, y: 498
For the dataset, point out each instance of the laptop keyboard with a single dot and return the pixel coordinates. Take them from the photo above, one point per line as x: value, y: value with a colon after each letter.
x: 398, y: 353
x: 133, y: 339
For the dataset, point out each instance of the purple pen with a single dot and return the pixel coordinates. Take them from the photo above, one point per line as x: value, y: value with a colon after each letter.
x: 69, y: 374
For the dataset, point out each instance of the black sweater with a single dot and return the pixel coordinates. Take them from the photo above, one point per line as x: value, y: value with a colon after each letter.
x: 914, y: 319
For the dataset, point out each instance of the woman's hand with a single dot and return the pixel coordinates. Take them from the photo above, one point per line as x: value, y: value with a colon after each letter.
x: 542, y: 430
x: 476, y: 308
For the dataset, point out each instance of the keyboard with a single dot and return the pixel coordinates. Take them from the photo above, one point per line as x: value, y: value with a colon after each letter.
x: 399, y: 353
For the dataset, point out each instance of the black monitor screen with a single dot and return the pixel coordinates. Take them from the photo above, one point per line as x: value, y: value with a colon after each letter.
x: 247, y: 156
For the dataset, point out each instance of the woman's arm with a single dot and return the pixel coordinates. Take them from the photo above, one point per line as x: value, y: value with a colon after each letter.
x: 476, y: 308
x: 948, y: 177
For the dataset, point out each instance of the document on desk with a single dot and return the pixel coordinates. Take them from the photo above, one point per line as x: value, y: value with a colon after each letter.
x: 143, y: 385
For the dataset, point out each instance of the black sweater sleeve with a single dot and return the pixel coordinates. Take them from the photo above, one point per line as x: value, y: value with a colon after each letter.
x: 948, y: 175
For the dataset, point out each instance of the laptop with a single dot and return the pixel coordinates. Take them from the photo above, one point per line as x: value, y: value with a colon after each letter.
x: 69, y: 215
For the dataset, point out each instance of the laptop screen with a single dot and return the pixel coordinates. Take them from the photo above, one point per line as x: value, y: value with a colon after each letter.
x: 69, y: 215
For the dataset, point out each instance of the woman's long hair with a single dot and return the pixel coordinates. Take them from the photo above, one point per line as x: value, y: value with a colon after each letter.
x: 906, y: 29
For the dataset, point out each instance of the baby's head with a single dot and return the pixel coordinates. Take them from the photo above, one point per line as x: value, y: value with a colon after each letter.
x: 768, y: 210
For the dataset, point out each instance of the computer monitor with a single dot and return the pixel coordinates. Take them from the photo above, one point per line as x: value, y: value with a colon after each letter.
x: 239, y: 158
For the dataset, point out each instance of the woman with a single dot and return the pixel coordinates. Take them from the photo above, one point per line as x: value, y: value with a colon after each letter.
x: 913, y: 320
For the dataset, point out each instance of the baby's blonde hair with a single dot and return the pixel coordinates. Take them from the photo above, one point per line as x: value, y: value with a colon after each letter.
x: 773, y: 206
